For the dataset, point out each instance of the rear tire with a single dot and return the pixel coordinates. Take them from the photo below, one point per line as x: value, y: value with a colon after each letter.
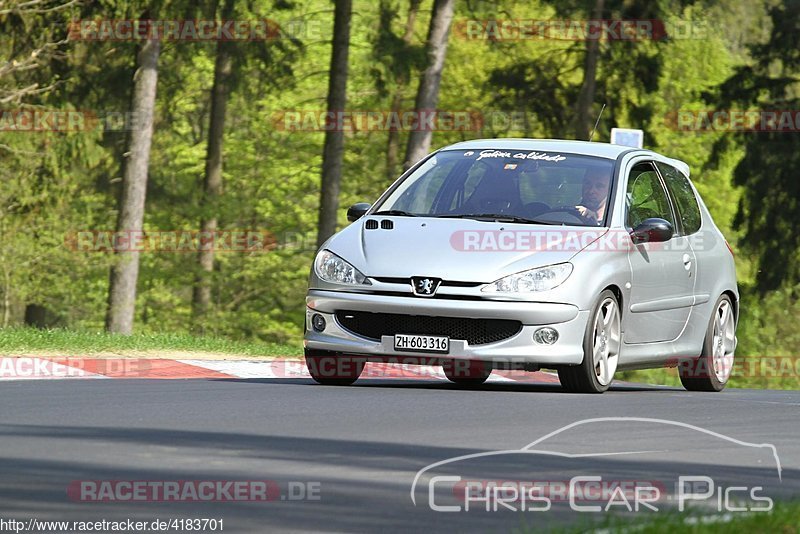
x: 601, y: 344
x: 329, y: 369
x: 712, y: 370
x: 467, y: 372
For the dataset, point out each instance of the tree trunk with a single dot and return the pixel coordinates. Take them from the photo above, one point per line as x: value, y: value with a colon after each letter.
x: 583, y: 110
x: 419, y: 140
x: 38, y: 316
x: 6, y: 296
x: 212, y: 182
x: 333, y: 151
x: 124, y: 274
x: 393, y: 145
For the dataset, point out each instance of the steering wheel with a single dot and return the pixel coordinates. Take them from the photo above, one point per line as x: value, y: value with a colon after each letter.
x: 494, y: 204
x: 570, y: 210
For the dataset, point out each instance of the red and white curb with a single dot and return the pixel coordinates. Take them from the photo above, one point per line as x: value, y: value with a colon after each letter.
x: 35, y: 368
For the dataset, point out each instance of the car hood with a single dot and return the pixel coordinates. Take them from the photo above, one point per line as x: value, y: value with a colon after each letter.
x: 455, y: 249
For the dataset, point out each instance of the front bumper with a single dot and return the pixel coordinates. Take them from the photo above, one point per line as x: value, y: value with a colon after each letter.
x: 567, y: 319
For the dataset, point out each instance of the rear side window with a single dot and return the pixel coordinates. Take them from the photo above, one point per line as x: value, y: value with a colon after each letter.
x: 683, y: 195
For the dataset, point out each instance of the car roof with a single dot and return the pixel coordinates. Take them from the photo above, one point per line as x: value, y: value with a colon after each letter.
x: 588, y: 148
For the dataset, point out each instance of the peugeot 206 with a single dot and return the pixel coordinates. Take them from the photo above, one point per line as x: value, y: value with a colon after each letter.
x: 585, y: 258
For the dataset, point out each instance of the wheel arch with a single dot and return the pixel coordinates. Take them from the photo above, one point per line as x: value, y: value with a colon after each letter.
x: 735, y: 300
x: 618, y: 294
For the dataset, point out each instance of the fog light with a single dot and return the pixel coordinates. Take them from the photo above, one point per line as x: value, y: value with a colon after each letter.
x: 318, y: 322
x: 545, y: 336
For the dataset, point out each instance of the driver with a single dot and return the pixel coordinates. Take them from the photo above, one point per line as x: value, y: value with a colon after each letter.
x: 595, y: 195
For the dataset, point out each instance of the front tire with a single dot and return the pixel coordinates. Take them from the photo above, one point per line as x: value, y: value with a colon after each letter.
x: 712, y: 370
x: 467, y: 372
x: 601, y: 344
x: 329, y: 369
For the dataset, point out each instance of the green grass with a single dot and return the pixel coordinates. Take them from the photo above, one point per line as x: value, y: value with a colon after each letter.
x: 77, y: 342
x: 783, y: 519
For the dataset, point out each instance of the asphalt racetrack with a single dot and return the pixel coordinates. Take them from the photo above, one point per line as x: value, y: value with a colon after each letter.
x: 360, y: 458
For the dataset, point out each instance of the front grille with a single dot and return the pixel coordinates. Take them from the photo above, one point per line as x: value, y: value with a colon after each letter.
x: 448, y: 283
x: 473, y: 331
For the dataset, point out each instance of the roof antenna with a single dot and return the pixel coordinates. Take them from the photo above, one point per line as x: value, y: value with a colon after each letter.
x: 597, y: 122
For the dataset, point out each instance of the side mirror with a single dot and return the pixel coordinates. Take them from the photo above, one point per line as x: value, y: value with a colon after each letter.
x: 356, y: 211
x: 652, y: 231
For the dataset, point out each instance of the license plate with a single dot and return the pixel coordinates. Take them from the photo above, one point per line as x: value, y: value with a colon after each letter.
x: 422, y: 343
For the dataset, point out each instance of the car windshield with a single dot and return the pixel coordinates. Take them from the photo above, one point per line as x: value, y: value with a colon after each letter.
x: 507, y: 185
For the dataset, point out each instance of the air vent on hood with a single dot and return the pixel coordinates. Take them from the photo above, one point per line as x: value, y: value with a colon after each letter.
x: 371, y: 224
x: 386, y: 224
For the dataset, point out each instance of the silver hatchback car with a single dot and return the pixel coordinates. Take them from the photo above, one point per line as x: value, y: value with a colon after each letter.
x: 586, y: 258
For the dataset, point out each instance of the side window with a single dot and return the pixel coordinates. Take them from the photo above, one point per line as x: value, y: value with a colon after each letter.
x: 681, y: 191
x: 646, y: 197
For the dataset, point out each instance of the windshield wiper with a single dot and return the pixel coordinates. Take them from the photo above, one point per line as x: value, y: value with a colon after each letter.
x: 395, y: 212
x: 499, y: 217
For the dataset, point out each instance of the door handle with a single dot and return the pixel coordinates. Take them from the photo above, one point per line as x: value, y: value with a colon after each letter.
x: 687, y: 262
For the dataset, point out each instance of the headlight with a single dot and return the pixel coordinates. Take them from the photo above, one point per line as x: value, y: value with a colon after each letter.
x: 331, y: 268
x: 539, y: 279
